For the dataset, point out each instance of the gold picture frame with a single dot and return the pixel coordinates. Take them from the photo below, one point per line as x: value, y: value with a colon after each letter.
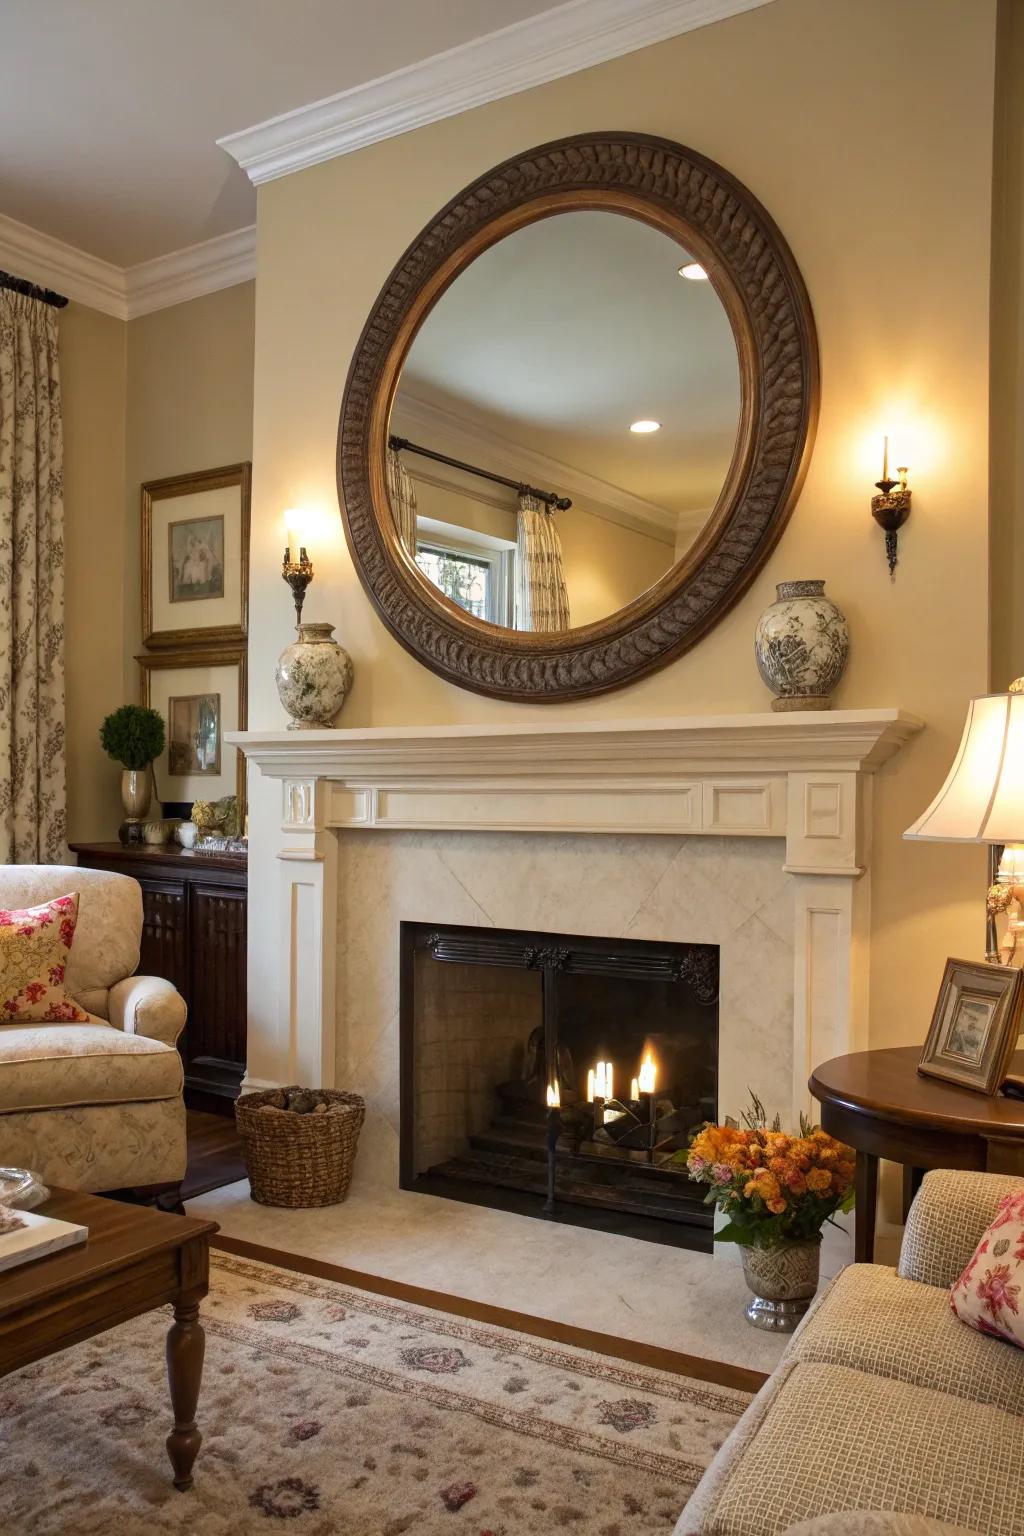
x: 975, y: 1026
x: 220, y: 671
x: 195, y: 558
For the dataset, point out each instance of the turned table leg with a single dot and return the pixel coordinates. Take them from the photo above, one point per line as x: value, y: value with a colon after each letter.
x: 186, y: 1345
x: 866, y: 1186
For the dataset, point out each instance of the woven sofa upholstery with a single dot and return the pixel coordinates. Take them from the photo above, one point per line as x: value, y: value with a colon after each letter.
x: 886, y: 1416
x: 95, y: 1106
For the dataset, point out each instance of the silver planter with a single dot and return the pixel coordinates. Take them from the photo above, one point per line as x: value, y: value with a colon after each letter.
x: 783, y: 1280
x: 801, y: 645
x: 314, y: 675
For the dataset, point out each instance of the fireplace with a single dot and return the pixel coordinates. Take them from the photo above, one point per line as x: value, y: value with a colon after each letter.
x: 494, y: 1023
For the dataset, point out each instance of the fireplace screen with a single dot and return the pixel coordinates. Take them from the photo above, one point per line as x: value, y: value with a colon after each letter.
x: 556, y: 1074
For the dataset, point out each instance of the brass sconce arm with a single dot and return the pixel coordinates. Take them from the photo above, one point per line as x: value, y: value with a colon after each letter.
x: 298, y: 574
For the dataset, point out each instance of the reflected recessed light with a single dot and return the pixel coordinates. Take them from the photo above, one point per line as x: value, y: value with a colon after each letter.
x: 645, y: 426
x: 694, y: 271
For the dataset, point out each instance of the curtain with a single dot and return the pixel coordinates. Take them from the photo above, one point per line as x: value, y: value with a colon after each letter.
x: 542, y: 602
x: 403, y: 501
x: 32, y: 792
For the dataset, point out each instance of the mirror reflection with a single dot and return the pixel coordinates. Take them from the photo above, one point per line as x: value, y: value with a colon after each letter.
x: 564, y: 422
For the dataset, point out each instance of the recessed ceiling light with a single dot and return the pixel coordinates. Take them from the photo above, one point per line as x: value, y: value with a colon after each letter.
x: 694, y: 271
x: 645, y: 426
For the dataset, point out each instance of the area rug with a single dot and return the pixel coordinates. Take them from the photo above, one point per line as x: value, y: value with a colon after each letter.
x: 326, y: 1409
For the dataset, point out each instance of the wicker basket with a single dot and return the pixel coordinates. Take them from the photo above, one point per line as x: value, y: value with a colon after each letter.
x: 299, y: 1160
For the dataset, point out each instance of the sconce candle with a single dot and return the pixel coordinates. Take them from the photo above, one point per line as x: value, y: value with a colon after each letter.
x: 891, y: 507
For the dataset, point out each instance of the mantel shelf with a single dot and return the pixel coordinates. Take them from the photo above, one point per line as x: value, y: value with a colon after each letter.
x: 850, y: 740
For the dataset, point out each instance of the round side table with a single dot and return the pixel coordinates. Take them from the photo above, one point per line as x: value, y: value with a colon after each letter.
x: 879, y: 1104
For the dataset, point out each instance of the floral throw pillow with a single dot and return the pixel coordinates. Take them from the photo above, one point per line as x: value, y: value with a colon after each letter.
x: 989, y: 1295
x: 34, y: 946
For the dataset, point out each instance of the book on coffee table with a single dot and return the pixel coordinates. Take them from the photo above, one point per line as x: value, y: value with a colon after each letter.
x: 25, y: 1236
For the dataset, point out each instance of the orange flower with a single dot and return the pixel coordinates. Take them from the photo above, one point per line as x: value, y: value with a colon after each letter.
x: 819, y: 1180
x: 776, y: 1206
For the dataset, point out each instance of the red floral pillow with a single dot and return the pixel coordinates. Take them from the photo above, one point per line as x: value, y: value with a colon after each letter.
x: 989, y: 1295
x: 34, y: 946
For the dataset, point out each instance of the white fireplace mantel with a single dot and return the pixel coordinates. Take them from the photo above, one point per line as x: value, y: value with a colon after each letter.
x: 804, y: 778
x: 796, y: 775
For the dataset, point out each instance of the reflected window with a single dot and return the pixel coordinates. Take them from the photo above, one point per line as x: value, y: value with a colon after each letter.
x: 480, y: 581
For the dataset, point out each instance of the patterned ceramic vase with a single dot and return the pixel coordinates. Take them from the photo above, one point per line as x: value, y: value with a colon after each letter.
x: 801, y: 643
x: 783, y: 1281
x: 313, y: 677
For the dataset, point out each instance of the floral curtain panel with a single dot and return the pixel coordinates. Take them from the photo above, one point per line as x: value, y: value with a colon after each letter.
x: 542, y: 601
x: 32, y: 794
x: 403, y: 501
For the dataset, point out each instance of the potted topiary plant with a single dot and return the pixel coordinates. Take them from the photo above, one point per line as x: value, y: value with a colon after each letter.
x: 134, y: 737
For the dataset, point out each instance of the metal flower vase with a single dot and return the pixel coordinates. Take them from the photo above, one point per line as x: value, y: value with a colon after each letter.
x: 783, y: 1280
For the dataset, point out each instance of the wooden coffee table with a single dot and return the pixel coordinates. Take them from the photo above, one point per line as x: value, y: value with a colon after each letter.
x: 134, y: 1259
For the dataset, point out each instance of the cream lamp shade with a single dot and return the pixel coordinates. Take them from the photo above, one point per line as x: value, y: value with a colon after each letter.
x: 982, y: 800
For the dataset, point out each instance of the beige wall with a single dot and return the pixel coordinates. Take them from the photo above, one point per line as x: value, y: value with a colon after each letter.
x: 189, y: 407
x: 792, y: 100
x: 164, y: 394
x: 92, y: 363
x: 1007, y: 425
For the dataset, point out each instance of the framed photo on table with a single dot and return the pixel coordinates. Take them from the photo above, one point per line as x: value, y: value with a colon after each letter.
x: 975, y: 1026
x: 195, y: 558
x: 201, y: 695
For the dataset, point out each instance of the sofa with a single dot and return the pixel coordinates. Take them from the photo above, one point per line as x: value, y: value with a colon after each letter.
x: 96, y: 1106
x: 883, y: 1402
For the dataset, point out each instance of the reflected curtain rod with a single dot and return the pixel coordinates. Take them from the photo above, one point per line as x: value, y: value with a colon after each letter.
x: 32, y: 290
x: 554, y: 502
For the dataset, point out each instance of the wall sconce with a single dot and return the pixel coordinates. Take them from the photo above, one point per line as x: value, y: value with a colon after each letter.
x: 891, y: 508
x: 297, y: 573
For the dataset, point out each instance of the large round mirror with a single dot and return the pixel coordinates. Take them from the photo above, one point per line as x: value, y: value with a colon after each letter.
x: 577, y: 418
x: 565, y: 421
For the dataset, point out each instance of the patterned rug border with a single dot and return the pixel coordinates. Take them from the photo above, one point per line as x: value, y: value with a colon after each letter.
x: 571, y: 1357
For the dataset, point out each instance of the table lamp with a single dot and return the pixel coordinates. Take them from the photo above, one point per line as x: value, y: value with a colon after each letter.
x: 982, y: 801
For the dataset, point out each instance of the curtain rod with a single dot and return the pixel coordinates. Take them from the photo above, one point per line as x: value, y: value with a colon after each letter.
x: 554, y: 502
x: 32, y: 290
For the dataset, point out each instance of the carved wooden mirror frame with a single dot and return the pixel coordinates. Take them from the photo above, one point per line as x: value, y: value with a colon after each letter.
x: 753, y: 272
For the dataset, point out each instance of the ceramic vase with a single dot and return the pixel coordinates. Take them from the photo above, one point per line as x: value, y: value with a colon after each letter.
x: 801, y: 643
x: 314, y: 675
x: 136, y: 797
x: 783, y: 1281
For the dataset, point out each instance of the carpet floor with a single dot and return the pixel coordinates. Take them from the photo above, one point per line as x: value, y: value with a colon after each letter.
x: 326, y: 1409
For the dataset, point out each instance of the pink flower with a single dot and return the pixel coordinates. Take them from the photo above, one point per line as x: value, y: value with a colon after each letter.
x: 721, y: 1173
x: 56, y: 975
x: 67, y: 932
x: 34, y: 991
x: 997, y: 1292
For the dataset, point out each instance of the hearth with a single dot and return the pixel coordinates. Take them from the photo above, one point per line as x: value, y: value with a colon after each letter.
x: 624, y: 1033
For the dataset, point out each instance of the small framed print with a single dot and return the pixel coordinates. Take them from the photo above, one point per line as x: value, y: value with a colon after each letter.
x: 201, y: 695
x: 195, y: 558
x: 975, y: 1026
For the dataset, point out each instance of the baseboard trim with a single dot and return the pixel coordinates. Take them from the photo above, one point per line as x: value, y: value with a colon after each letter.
x: 650, y: 1355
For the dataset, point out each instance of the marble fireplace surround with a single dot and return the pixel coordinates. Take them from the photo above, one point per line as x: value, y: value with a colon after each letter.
x: 749, y: 831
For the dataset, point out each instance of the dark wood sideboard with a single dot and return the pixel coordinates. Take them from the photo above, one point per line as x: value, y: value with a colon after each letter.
x: 194, y: 934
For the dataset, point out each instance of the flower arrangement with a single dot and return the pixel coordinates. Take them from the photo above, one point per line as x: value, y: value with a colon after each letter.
x: 133, y: 735
x: 775, y: 1188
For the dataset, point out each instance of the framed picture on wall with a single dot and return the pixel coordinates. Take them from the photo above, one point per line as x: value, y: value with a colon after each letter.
x: 975, y: 1026
x: 195, y: 558
x: 201, y: 695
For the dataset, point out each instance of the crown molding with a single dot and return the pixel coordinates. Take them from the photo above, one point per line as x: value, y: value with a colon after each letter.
x: 126, y: 292
x: 532, y: 52
x: 505, y: 457
x: 28, y: 253
x: 190, y: 273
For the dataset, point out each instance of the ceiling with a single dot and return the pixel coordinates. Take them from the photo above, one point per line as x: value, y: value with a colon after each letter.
x: 562, y: 334
x: 110, y: 109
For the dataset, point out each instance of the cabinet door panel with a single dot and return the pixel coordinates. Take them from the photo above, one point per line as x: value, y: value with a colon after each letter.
x: 164, y: 933
x: 217, y: 929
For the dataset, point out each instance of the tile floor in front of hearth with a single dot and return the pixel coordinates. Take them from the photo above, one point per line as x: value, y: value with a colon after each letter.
x: 668, y: 1297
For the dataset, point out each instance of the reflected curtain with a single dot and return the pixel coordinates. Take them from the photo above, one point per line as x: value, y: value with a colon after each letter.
x: 402, y: 497
x: 542, y: 601
x: 32, y: 788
